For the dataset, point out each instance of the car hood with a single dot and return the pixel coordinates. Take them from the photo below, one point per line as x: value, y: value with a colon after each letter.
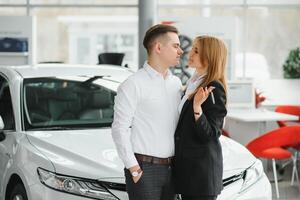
x: 81, y: 153
x: 236, y: 158
x: 92, y: 154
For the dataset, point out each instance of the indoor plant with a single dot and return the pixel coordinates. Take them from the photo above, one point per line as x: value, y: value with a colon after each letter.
x: 291, y: 67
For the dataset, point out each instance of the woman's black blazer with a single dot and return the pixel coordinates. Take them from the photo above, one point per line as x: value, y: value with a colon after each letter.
x: 198, y: 161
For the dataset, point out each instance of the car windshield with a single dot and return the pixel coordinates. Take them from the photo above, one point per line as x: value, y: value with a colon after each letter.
x: 68, y: 102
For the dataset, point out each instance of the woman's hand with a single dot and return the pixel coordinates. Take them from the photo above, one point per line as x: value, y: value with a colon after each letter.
x: 200, y: 97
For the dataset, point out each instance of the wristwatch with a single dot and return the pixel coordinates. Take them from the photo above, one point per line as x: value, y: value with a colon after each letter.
x: 136, y: 173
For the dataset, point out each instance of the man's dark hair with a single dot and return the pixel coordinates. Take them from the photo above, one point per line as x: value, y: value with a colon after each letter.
x: 154, y: 32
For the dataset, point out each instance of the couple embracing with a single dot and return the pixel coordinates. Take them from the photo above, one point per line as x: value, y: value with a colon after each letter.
x: 167, y: 136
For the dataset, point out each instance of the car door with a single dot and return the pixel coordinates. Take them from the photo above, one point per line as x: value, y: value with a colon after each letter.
x: 7, y: 140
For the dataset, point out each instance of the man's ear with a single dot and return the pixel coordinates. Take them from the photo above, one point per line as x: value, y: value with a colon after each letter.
x: 157, y: 47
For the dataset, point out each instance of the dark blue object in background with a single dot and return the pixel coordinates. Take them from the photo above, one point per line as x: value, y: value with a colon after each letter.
x: 13, y: 45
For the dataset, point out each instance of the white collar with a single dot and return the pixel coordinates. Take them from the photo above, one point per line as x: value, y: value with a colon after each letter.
x: 152, y: 72
x: 196, y: 77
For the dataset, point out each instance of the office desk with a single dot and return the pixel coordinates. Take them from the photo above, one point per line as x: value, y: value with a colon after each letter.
x: 258, y: 115
x: 244, y: 125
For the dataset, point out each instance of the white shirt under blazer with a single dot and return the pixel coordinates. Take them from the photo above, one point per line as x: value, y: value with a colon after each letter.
x: 191, y: 85
x: 146, y: 115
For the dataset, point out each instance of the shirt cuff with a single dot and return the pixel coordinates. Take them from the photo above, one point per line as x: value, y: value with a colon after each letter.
x: 130, y: 162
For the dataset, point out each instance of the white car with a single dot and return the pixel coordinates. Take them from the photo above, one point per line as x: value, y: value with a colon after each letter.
x: 56, y: 143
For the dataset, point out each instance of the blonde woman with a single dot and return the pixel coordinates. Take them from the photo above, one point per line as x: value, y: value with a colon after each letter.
x: 198, y: 163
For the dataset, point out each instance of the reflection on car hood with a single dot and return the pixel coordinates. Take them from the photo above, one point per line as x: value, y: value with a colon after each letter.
x: 81, y: 153
x: 236, y: 158
x: 92, y: 154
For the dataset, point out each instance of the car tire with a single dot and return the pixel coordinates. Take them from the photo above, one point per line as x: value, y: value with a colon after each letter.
x: 18, y: 193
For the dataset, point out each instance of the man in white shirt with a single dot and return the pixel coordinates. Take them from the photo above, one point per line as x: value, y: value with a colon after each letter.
x: 146, y: 115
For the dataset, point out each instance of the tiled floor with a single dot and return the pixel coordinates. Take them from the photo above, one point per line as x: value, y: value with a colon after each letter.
x: 286, y: 191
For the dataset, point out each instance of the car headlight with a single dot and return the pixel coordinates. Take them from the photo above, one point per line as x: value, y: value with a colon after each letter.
x: 77, y: 186
x: 252, y: 174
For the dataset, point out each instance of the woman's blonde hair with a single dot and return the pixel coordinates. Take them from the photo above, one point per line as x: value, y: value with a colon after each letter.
x: 212, y: 53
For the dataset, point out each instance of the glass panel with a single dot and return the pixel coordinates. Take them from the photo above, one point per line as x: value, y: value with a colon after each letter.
x: 274, y: 2
x: 200, y: 2
x: 13, y: 2
x: 119, y: 43
x: 75, y: 35
x: 91, y: 2
x: 229, y: 2
x: 83, y: 49
x: 67, y: 102
x: 221, y: 22
x: 9, y: 11
x: 272, y: 33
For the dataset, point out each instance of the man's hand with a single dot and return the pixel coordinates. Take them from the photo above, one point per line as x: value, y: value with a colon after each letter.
x: 135, y: 169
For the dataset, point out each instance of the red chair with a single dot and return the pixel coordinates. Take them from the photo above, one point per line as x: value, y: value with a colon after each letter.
x: 292, y: 110
x: 225, y: 133
x: 270, y: 146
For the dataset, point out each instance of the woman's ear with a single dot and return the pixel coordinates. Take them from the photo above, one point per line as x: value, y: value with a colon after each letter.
x: 205, y: 64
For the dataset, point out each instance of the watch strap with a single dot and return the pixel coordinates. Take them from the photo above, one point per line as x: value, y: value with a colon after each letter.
x: 136, y: 172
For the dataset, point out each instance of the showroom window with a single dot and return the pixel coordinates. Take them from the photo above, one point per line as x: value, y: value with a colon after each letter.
x: 72, y: 31
x: 75, y: 35
x: 272, y: 33
x: 265, y: 31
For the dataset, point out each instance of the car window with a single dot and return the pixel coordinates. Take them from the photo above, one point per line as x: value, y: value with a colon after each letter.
x: 67, y: 102
x: 6, y: 108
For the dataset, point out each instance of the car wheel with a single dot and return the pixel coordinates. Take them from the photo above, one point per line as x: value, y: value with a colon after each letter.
x: 18, y: 193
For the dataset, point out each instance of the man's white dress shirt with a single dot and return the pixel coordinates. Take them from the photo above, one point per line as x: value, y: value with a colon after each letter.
x: 146, y: 115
